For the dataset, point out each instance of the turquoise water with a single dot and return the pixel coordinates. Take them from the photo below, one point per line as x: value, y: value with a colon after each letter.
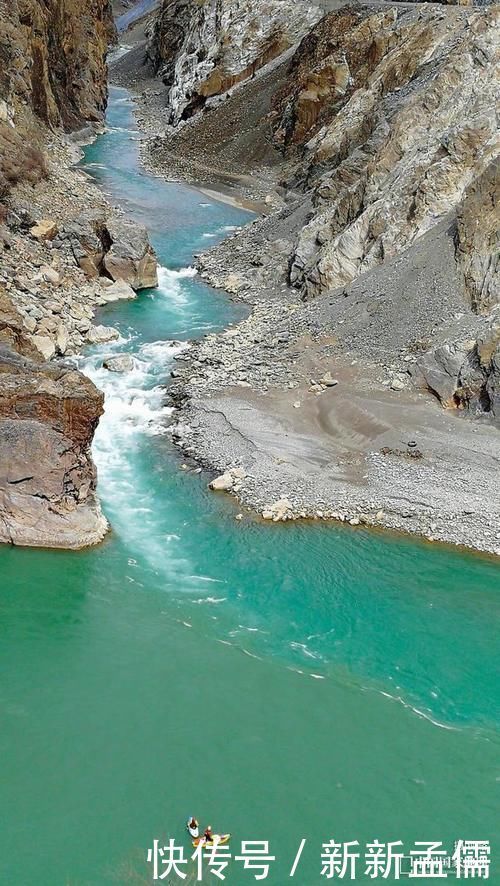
x: 282, y: 682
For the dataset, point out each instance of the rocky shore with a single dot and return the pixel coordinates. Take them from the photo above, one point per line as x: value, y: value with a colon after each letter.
x: 64, y: 252
x: 364, y: 391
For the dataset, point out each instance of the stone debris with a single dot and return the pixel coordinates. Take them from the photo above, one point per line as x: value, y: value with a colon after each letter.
x: 45, y: 229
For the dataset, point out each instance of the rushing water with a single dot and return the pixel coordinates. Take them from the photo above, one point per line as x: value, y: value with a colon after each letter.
x: 282, y: 682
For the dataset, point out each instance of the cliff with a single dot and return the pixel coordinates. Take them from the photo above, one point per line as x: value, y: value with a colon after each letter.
x: 48, y: 415
x: 202, y: 48
x: 53, y: 57
x: 394, y: 115
x: 380, y: 140
x: 53, y: 77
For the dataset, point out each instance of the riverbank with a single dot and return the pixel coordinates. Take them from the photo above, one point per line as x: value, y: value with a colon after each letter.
x: 253, y: 397
x: 66, y: 252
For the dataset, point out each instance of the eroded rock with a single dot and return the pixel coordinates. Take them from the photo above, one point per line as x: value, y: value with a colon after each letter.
x: 130, y: 258
x: 48, y: 415
x: 390, y: 114
x: 119, y: 363
x: 203, y: 49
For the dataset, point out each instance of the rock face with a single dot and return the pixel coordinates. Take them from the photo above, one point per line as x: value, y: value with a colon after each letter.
x: 204, y: 47
x: 478, y: 238
x: 53, y: 57
x: 130, y: 257
x: 115, y: 247
x: 466, y: 374
x: 48, y: 415
x: 393, y: 113
x: 53, y: 76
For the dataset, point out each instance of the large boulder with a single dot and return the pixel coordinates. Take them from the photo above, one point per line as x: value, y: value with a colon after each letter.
x: 131, y: 257
x: 440, y: 370
x: 119, y: 363
x: 48, y: 415
x: 98, y: 335
x: 115, y: 247
x: 88, y: 239
x: 119, y: 290
x: 465, y: 375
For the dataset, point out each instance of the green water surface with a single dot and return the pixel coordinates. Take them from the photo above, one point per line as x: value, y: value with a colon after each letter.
x: 281, y: 682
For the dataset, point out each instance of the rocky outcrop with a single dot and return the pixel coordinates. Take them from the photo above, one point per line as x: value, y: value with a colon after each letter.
x: 130, y: 256
x: 53, y: 76
x: 465, y: 374
x: 393, y: 113
x: 112, y: 246
x: 202, y: 48
x: 478, y: 238
x: 48, y: 415
x: 53, y: 58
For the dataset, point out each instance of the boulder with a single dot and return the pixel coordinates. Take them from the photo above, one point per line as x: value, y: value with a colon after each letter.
x: 230, y: 481
x: 130, y: 258
x: 50, y: 275
x: 45, y: 229
x: 119, y: 363
x: 97, y: 335
x: 397, y: 384
x: 224, y: 483
x: 48, y: 415
x: 440, y: 368
x: 44, y: 345
x: 118, y: 290
x: 328, y: 380
x: 88, y: 239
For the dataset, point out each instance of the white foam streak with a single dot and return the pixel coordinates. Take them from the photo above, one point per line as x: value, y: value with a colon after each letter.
x: 170, y: 284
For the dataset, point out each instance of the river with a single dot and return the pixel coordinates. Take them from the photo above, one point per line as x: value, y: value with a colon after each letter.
x: 281, y: 682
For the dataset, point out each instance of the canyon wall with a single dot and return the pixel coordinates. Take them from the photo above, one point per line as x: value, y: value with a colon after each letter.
x: 53, y: 56
x: 393, y: 112
x: 202, y: 48
x: 53, y: 78
x: 380, y: 129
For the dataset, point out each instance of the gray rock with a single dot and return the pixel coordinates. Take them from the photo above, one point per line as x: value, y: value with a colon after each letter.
x: 119, y: 363
x: 118, y: 290
x: 440, y: 369
x: 97, y: 335
x: 131, y: 258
